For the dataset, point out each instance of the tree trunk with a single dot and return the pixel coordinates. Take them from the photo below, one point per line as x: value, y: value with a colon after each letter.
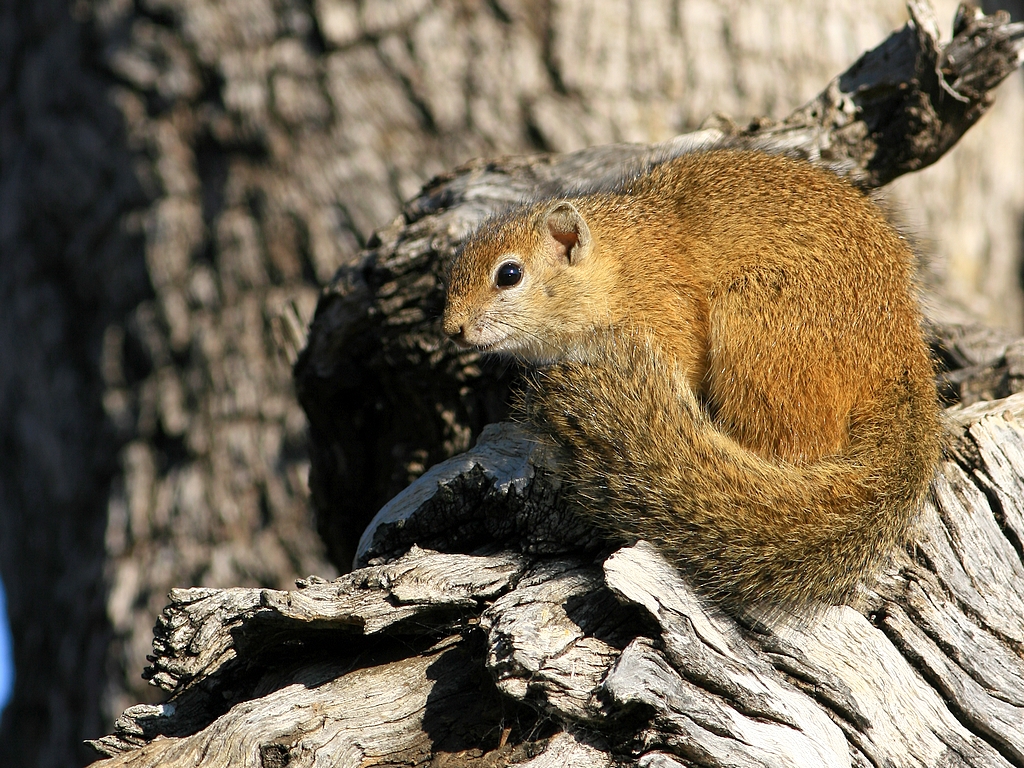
x: 486, y: 626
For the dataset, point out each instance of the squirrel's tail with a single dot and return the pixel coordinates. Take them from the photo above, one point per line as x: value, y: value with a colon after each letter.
x: 645, y: 460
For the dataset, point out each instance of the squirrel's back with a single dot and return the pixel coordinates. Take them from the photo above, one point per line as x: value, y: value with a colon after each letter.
x: 734, y: 364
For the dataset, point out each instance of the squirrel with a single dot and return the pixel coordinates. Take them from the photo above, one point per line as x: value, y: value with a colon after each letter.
x: 728, y: 349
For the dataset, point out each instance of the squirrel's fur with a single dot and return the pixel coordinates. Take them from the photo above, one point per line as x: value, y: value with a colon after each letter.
x: 731, y: 358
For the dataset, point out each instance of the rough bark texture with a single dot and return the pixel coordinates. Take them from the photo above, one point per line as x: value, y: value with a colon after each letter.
x: 69, y: 271
x: 545, y: 654
x: 178, y: 176
x: 486, y: 626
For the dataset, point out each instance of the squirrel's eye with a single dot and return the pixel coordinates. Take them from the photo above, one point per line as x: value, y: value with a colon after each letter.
x: 508, y: 274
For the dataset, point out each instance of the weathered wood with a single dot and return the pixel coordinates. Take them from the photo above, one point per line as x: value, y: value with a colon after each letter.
x: 926, y: 670
x: 391, y: 713
x: 193, y: 638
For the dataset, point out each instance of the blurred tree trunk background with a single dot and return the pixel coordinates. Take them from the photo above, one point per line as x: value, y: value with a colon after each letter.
x: 177, y: 178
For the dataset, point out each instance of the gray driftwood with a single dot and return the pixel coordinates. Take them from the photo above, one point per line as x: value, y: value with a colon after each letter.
x: 484, y: 626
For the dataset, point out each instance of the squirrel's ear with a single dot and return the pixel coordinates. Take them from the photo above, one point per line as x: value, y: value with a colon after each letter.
x: 565, y: 232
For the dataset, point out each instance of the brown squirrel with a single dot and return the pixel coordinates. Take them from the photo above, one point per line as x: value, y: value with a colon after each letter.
x: 729, y: 351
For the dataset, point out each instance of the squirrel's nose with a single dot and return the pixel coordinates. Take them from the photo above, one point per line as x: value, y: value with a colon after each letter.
x: 454, y: 330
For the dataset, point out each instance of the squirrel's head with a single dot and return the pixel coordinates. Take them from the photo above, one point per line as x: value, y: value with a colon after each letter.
x: 518, y: 286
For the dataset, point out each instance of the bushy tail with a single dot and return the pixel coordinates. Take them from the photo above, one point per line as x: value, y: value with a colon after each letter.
x: 646, y: 461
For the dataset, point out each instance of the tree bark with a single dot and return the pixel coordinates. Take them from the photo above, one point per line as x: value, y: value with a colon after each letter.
x: 543, y: 651
x: 486, y: 626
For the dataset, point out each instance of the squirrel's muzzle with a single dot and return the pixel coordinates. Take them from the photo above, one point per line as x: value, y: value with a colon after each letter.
x: 454, y: 329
